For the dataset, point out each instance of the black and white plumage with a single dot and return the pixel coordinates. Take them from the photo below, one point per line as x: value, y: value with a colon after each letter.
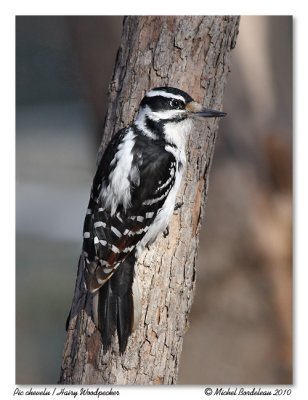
x: 132, y: 199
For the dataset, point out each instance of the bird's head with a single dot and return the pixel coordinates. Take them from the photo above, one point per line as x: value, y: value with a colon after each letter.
x: 167, y: 109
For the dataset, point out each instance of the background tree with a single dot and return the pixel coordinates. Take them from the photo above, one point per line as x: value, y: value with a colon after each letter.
x: 191, y: 53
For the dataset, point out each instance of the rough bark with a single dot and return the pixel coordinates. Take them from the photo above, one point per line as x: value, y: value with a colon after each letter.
x: 193, y: 54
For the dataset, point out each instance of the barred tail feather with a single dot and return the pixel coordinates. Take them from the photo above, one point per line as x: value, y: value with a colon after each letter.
x: 115, y: 306
x: 125, y: 314
x: 107, y: 306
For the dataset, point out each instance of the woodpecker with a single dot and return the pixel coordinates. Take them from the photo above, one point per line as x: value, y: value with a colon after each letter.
x: 132, y: 198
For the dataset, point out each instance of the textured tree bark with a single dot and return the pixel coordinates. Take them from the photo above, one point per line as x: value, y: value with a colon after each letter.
x: 193, y: 54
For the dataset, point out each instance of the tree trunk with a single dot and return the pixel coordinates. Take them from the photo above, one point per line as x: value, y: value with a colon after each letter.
x: 193, y: 54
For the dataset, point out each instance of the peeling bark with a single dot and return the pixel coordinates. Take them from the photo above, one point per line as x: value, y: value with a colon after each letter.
x: 193, y: 54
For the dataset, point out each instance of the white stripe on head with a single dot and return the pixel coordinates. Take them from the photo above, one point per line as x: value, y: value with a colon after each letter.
x: 155, y: 116
x: 166, y: 114
x: 163, y: 93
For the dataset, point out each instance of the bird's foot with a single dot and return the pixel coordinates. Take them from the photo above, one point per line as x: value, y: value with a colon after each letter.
x: 166, y: 232
x: 178, y: 205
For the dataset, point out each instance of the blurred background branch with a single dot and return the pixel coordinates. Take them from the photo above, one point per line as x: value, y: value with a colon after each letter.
x: 241, y: 321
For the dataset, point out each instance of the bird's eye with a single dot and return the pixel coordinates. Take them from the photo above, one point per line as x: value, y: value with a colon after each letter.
x: 178, y: 104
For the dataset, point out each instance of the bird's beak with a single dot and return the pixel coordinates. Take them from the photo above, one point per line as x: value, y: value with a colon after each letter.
x: 196, y: 110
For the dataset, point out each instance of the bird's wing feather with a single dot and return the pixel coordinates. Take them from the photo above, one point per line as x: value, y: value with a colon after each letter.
x: 110, y: 237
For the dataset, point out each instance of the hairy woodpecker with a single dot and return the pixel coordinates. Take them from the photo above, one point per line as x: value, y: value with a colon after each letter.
x: 132, y: 198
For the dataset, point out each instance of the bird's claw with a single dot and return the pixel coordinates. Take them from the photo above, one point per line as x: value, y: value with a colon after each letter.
x: 166, y: 232
x: 178, y: 205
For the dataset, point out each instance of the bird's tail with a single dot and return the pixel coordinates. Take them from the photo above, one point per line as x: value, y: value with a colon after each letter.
x: 113, y: 305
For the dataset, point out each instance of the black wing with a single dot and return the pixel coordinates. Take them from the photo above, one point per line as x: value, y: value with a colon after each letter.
x: 109, y: 239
